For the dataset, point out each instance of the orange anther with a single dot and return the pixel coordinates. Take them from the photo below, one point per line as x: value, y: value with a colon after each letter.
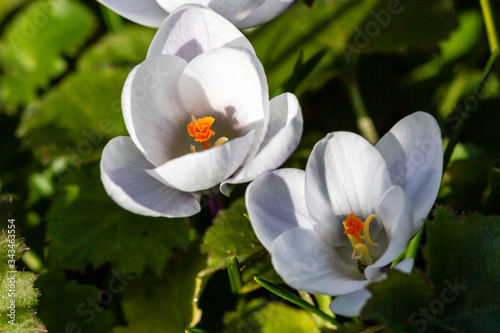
x: 200, y: 130
x: 353, y: 226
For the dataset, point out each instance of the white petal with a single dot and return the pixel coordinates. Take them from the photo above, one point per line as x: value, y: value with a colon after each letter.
x: 205, y: 169
x: 350, y: 305
x: 276, y: 203
x: 404, y: 266
x: 344, y: 174
x: 192, y: 30
x: 233, y: 10
x: 127, y: 183
x: 229, y: 85
x: 282, y: 138
x: 266, y: 12
x: 413, y: 150
x: 145, y: 12
x: 303, y: 261
x: 396, y: 213
x: 153, y: 113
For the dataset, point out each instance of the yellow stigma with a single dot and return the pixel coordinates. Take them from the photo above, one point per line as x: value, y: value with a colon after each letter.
x: 353, y: 227
x: 200, y: 130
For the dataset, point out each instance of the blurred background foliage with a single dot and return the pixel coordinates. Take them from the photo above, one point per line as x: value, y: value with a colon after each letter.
x: 101, y: 269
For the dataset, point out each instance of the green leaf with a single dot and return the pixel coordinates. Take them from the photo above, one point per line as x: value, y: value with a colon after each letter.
x: 77, y: 118
x: 126, y: 47
x: 326, y: 24
x: 463, y: 254
x: 18, y: 297
x: 232, y: 235
x: 234, y: 272
x: 34, y: 44
x: 390, y: 307
x: 396, y: 26
x: 73, y: 307
x: 291, y: 297
x: 6, y: 6
x: 86, y: 227
x: 260, y: 316
x: 164, y: 303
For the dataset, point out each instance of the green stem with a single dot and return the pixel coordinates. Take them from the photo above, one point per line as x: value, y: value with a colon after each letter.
x: 455, y: 136
x: 364, y: 121
x: 490, y: 25
x: 283, y: 293
x: 112, y: 20
x: 412, y: 248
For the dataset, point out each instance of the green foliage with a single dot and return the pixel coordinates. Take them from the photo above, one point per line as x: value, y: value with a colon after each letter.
x: 86, y: 227
x: 124, y: 48
x: 164, y: 303
x: 407, y: 24
x: 260, y: 316
x: 77, y: 118
x: 463, y: 255
x: 67, y: 306
x: 344, y: 29
x: 18, y: 297
x: 6, y: 6
x: 388, y: 305
x: 232, y: 235
x: 29, y: 64
x: 465, y: 250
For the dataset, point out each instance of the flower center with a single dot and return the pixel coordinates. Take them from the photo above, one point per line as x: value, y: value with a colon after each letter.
x: 353, y: 227
x: 200, y: 130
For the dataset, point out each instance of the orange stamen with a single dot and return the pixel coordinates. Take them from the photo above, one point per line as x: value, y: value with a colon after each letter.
x: 200, y: 130
x: 353, y: 226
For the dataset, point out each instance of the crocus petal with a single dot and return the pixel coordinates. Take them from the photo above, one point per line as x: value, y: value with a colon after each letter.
x: 413, y: 151
x: 404, y: 266
x: 344, y: 174
x: 152, y: 110
x: 395, y: 210
x: 192, y: 30
x: 305, y: 263
x: 282, y: 137
x: 229, y: 85
x: 205, y: 169
x: 145, y: 12
x: 234, y: 11
x: 350, y: 305
x: 266, y: 12
x: 276, y: 203
x: 127, y: 183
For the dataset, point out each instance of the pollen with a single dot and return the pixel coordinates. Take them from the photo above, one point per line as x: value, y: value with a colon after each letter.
x: 200, y: 130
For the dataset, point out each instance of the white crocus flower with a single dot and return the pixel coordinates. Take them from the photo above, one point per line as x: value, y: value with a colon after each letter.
x: 198, y: 114
x: 337, y: 226
x: 242, y: 13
